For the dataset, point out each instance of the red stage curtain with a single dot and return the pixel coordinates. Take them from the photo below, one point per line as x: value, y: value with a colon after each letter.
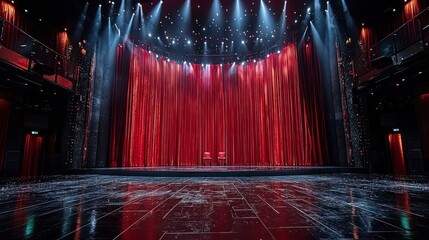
x: 4, y: 119
x: 367, y: 40
x: 32, y: 155
x: 392, y: 22
x: 11, y: 38
x: 411, y: 9
x: 30, y: 24
x: 312, y: 90
x: 119, y: 98
x: 397, y: 153
x: 7, y: 11
x: 261, y: 113
x: 63, y: 43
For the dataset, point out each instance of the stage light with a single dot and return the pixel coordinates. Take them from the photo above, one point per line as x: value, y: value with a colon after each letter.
x: 278, y: 51
x: 150, y: 34
x: 189, y: 42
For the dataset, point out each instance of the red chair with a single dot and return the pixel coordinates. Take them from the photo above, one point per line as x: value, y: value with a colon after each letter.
x: 221, y: 158
x: 207, y: 158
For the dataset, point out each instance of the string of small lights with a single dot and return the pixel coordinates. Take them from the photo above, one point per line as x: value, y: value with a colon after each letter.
x: 77, y: 111
x: 225, y: 32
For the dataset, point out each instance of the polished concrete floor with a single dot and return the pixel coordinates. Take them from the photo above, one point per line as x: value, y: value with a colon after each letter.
x: 335, y: 206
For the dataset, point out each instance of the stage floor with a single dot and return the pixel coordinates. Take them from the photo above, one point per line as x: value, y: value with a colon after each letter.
x: 335, y: 206
x: 218, y: 171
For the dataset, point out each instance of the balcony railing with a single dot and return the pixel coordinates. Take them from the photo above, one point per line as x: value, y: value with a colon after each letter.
x: 395, y: 49
x: 24, y: 52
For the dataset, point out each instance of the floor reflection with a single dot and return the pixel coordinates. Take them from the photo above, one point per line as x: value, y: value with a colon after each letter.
x: 290, y: 207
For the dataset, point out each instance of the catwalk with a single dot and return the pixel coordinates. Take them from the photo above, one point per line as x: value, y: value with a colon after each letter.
x: 287, y: 207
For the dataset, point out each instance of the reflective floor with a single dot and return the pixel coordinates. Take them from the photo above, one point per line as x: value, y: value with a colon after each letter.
x: 216, y: 168
x: 290, y: 207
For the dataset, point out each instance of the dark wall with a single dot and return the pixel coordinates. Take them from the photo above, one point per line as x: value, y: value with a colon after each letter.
x: 392, y: 108
x: 41, y: 112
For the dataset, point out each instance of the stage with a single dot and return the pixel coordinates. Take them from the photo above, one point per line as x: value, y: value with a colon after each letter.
x: 217, y: 171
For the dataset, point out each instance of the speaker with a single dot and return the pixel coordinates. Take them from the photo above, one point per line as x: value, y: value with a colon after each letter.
x: 42, y: 69
x: 381, y: 62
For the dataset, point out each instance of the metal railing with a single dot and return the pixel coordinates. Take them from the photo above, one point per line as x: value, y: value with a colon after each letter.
x: 405, y: 42
x: 20, y: 49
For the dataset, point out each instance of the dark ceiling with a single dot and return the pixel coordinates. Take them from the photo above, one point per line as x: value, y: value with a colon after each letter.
x: 207, y: 28
x: 63, y: 11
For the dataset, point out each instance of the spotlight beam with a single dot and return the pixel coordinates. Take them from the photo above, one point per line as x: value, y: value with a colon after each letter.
x: 78, y: 32
x: 128, y: 29
x: 95, y: 30
x: 265, y: 21
x: 282, y: 21
x: 154, y: 17
x: 216, y: 13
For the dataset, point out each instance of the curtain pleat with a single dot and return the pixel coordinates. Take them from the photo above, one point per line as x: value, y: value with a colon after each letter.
x: 32, y: 155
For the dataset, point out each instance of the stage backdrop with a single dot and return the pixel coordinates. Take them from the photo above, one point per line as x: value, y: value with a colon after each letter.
x: 268, y: 112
